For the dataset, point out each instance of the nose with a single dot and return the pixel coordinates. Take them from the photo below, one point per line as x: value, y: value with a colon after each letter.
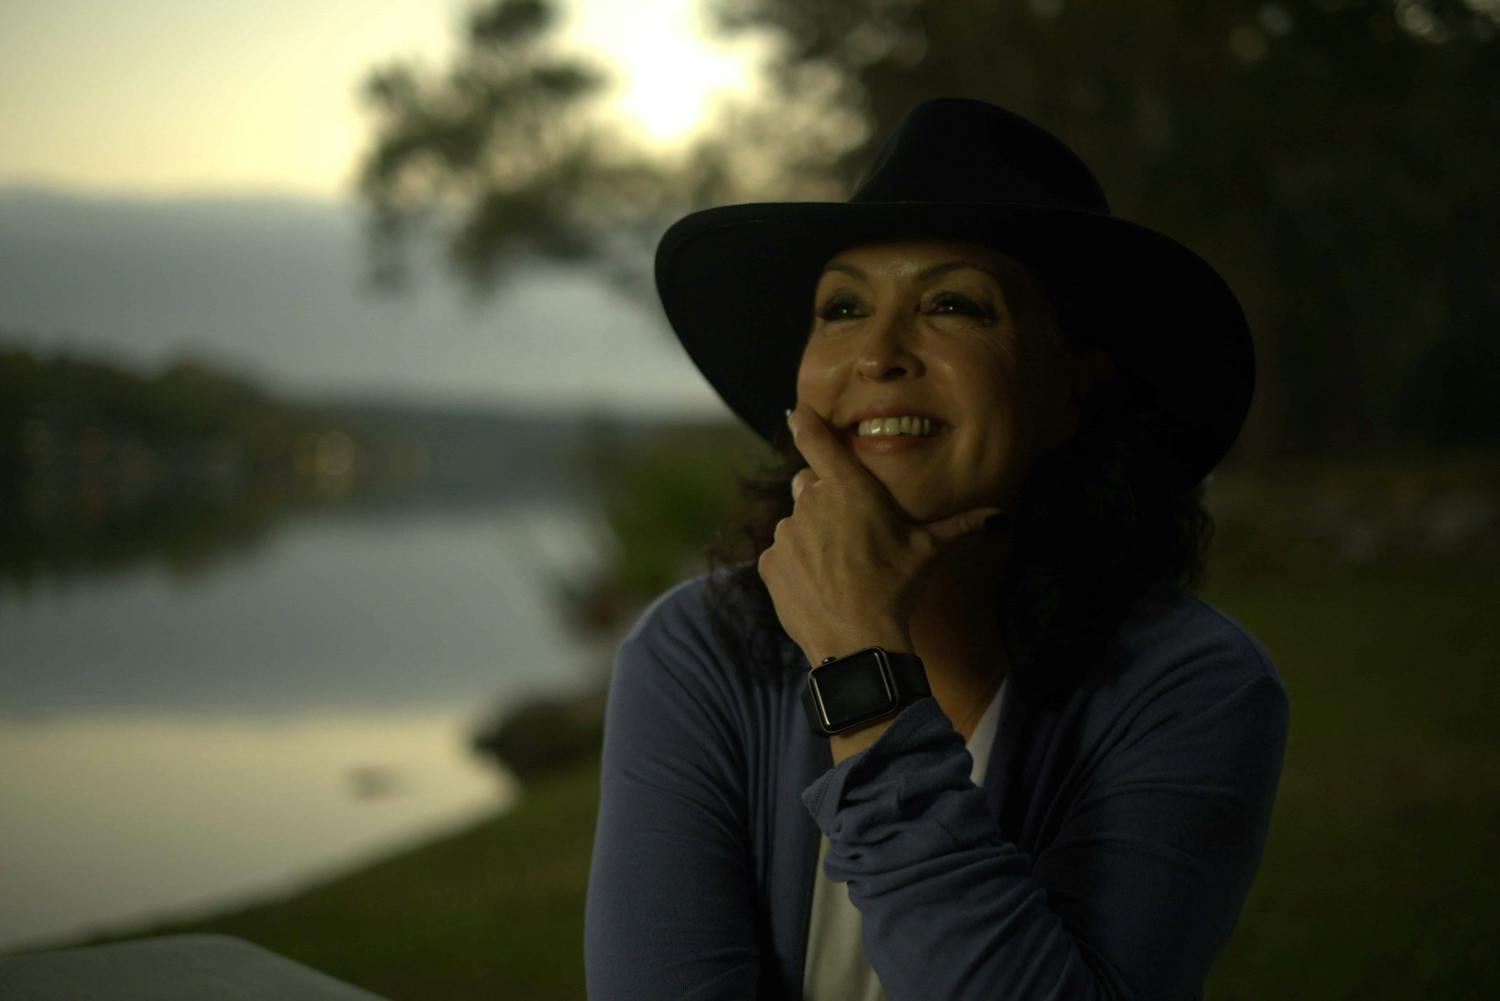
x: 886, y: 352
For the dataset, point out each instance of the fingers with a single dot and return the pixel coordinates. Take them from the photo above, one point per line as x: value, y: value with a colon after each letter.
x: 800, y: 482
x: 948, y: 530
x: 820, y: 446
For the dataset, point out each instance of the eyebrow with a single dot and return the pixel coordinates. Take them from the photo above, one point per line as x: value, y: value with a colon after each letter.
x: 931, y: 271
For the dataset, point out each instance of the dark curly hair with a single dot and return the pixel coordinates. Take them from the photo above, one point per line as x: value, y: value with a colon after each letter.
x: 1100, y: 521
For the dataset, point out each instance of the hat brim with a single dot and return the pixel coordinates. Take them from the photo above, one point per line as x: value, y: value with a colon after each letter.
x: 737, y: 284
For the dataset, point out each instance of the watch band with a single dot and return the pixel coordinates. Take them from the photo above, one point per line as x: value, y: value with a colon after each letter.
x: 847, y: 692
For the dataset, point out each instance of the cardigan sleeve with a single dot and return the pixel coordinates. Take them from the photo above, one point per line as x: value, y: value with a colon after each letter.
x: 669, y: 912
x: 1134, y: 896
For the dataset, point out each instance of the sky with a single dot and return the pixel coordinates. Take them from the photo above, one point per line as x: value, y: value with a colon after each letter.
x: 274, y: 290
x: 175, y: 180
x: 172, y: 97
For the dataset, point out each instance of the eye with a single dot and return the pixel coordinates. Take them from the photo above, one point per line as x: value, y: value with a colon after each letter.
x: 955, y: 304
x: 840, y: 306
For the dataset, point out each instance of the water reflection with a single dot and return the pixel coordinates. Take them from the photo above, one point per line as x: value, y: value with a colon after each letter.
x: 142, y: 814
x: 424, y: 608
x: 176, y: 742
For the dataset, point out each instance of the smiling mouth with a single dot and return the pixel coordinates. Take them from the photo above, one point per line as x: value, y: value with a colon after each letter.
x: 896, y: 427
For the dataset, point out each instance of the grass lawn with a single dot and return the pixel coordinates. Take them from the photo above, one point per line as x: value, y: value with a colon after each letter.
x: 1379, y: 880
x: 1378, y: 883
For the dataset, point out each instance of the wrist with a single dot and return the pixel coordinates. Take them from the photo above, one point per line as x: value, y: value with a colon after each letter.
x: 891, y: 641
x: 849, y: 693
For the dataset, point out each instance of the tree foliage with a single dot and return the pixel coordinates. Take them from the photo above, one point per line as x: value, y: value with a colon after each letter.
x: 501, y: 152
x: 1333, y: 158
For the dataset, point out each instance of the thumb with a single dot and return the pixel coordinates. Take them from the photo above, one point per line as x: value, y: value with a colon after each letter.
x: 955, y: 527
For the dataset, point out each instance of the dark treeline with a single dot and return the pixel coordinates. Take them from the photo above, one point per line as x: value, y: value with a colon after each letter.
x: 103, y: 466
x: 69, y: 421
x: 1334, y: 158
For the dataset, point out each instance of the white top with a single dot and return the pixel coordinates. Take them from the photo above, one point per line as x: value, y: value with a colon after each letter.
x: 836, y: 968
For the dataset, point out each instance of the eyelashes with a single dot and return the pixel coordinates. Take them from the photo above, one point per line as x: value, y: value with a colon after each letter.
x: 841, y: 306
x: 962, y: 305
x: 846, y: 306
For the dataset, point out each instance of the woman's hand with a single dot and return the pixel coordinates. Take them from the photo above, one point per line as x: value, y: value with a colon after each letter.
x: 847, y: 567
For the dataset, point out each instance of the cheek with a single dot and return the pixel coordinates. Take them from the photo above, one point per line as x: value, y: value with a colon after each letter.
x: 984, y: 382
x: 992, y: 454
x: 814, y: 375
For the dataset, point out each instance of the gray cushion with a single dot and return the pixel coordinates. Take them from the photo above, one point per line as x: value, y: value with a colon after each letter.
x: 171, y: 968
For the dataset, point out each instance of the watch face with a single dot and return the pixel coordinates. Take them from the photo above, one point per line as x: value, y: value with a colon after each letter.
x: 852, y: 690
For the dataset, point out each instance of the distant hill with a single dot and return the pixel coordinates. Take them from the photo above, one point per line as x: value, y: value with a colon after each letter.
x: 276, y: 288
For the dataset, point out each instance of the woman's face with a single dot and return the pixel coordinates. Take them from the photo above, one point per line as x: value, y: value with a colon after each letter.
x: 953, y: 333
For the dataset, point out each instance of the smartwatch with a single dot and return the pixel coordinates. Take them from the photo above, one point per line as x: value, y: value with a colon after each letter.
x: 845, y: 692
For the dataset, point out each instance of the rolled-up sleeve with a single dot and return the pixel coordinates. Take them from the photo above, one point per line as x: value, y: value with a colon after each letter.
x: 1132, y: 896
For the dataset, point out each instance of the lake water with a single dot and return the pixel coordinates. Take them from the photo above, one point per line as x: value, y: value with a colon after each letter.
x: 170, y: 743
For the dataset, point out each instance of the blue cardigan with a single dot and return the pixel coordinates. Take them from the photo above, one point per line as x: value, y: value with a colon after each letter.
x: 1106, y: 856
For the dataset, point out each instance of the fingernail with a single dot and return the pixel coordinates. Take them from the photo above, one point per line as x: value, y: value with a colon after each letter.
x: 788, y: 413
x: 996, y: 524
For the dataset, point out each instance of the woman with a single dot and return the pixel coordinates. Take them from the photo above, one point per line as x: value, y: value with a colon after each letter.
x: 960, y: 730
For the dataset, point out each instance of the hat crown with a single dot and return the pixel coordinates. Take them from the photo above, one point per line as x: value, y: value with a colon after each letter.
x: 967, y: 151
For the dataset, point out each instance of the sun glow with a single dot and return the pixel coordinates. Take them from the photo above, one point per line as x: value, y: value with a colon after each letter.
x: 669, y: 69
x: 170, y: 97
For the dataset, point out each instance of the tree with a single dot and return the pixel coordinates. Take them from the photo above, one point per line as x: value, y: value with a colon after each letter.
x: 500, y: 153
x: 507, y: 156
x: 1333, y: 158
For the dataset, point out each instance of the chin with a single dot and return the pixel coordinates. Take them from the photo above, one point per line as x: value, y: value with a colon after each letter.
x: 922, y: 505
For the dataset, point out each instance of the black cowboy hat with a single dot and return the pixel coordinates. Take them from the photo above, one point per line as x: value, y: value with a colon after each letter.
x: 737, y: 282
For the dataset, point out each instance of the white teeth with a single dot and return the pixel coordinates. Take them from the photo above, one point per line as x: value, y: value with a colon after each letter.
x: 892, y: 426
